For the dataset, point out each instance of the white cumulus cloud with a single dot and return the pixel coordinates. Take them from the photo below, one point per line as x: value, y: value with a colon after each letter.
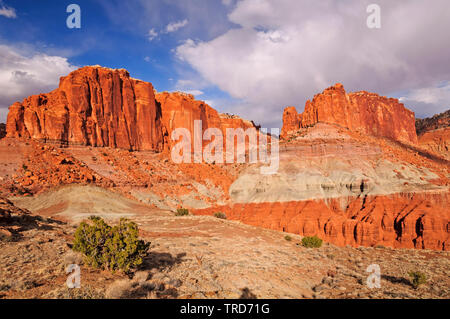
x: 174, y: 26
x: 7, y: 12
x: 152, y: 34
x: 194, y: 92
x: 429, y: 100
x: 282, y: 52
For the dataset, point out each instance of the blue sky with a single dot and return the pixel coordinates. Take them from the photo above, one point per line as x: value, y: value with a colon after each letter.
x: 113, y: 34
x: 248, y: 57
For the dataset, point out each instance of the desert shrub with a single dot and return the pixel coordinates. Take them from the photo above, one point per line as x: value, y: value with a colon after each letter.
x: 417, y: 278
x: 288, y: 238
x: 312, y: 242
x: 182, y: 212
x: 220, y: 215
x: 120, y: 289
x: 113, y: 248
x: 130, y: 289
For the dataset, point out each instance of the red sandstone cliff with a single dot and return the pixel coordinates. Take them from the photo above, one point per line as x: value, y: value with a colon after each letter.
x: 180, y: 110
x: 400, y: 220
x: 92, y: 106
x: 103, y: 107
x: 364, y: 112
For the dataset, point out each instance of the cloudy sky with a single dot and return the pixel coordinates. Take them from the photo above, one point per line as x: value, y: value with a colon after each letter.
x: 247, y: 57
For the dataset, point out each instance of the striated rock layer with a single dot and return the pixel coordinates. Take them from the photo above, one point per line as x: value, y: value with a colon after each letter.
x: 364, y: 112
x: 349, y: 189
x: 401, y: 220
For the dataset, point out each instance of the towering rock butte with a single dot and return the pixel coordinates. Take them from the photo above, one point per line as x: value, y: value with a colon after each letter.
x: 92, y: 106
x: 364, y: 112
x: 99, y: 106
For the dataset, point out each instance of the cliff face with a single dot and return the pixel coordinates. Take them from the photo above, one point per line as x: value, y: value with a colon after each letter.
x: 180, y: 110
x: 400, y: 221
x: 103, y: 107
x: 92, y: 106
x: 364, y: 112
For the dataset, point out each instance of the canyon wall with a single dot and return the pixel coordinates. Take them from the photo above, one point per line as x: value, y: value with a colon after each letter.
x: 363, y: 112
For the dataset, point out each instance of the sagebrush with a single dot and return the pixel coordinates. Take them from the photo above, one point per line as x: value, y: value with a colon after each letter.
x: 417, y: 278
x: 220, y: 215
x: 114, y: 248
x: 182, y: 212
x: 312, y: 242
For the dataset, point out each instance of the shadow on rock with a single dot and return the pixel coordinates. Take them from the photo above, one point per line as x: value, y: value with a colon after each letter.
x: 396, y: 280
x: 12, y: 228
x: 160, y: 261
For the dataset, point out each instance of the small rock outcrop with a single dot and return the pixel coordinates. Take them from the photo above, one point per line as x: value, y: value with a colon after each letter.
x: 434, y: 134
x: 364, y: 112
x: 2, y: 130
x: 441, y: 120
